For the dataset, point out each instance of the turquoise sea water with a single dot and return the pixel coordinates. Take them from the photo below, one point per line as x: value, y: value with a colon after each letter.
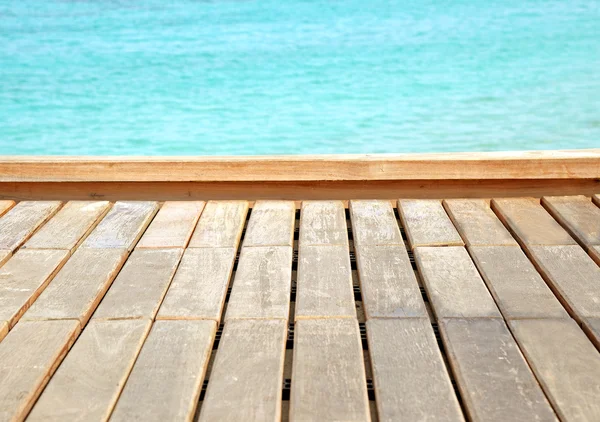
x: 297, y: 76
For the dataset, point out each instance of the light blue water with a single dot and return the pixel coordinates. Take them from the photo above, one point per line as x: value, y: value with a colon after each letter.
x: 298, y: 76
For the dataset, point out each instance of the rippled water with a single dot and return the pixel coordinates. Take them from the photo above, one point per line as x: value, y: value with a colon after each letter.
x: 297, y: 76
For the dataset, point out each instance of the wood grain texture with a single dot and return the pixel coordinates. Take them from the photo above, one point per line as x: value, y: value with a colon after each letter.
x: 200, y: 285
x: 324, y: 285
x: 173, y: 225
x: 427, y: 224
x: 578, y: 215
x: 220, y: 225
x: 88, y: 382
x: 262, y: 283
x: 595, y: 253
x: 166, y: 379
x: 140, y: 287
x: 5, y: 255
x: 69, y: 226
x: 515, y: 284
x: 5, y: 205
x: 18, y: 224
x: 480, y: 350
x: 328, y: 379
x: 565, y: 363
x: 246, y: 380
x: 24, y: 277
x: 29, y: 355
x: 3, y: 329
x: 410, y: 377
x: 122, y: 227
x: 591, y: 326
x: 388, y: 284
x: 477, y: 223
x: 323, y: 223
x: 374, y: 223
x: 271, y: 224
x: 530, y: 222
x: 453, y: 283
x: 79, y: 286
x: 572, y: 275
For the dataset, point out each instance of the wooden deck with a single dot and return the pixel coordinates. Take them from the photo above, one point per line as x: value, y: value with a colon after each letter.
x: 390, y: 309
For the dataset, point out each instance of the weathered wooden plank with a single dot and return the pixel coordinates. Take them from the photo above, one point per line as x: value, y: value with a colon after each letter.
x: 596, y: 199
x: 592, y: 328
x: 410, y: 377
x: 271, y: 224
x: 79, y: 286
x: 427, y: 224
x: 3, y: 329
x: 166, y: 379
x: 173, y: 225
x: 595, y: 253
x: 328, y: 379
x: 220, y: 225
x: 388, y: 284
x: 565, y: 363
x: 477, y: 223
x: 480, y: 350
x: 515, y: 284
x: 374, y: 223
x: 323, y: 223
x: 573, y: 277
x: 24, y: 277
x: 324, y: 285
x: 69, y: 226
x: 5, y: 255
x: 122, y: 226
x: 262, y: 283
x: 453, y: 284
x: 246, y: 379
x: 18, y: 224
x: 140, y: 287
x: 530, y: 222
x: 5, y: 205
x: 578, y: 215
x: 89, y: 380
x: 29, y: 355
x: 200, y: 285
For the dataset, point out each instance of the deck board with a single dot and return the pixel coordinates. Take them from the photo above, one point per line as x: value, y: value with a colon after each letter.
x: 481, y: 350
x: 89, y: 380
x: 173, y: 225
x: 271, y: 224
x: 323, y: 223
x: 578, y: 215
x: 374, y: 223
x: 410, y: 378
x: 6, y: 205
x: 21, y: 221
x: 477, y: 223
x: 427, y: 224
x: 220, y: 225
x: 591, y: 326
x: 595, y: 253
x: 166, y: 380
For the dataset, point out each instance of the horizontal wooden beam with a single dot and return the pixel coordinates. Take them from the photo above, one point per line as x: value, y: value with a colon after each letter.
x: 577, y: 164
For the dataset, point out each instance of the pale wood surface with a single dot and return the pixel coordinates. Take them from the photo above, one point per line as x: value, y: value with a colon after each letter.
x: 592, y: 328
x: 24, y: 277
x: 5, y: 255
x: 323, y: 223
x: 578, y: 215
x: 481, y: 350
x: 374, y: 223
x: 573, y: 276
x: 427, y: 224
x: 453, y: 283
x: 595, y: 253
x: 122, y: 227
x: 3, y: 329
x: 328, y: 381
x: 29, y: 354
x: 596, y: 199
x: 5, y: 205
x: 220, y: 225
x: 262, y: 283
x: 530, y: 222
x: 173, y: 225
x: 246, y: 380
x: 565, y: 363
x: 271, y: 224
x: 200, y: 285
x: 166, y: 379
x: 69, y: 226
x: 18, y: 224
x: 324, y: 285
x: 410, y: 377
x: 477, y: 223
x: 140, y: 287
x: 515, y: 284
x: 79, y: 286
x: 387, y: 282
x: 88, y: 382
